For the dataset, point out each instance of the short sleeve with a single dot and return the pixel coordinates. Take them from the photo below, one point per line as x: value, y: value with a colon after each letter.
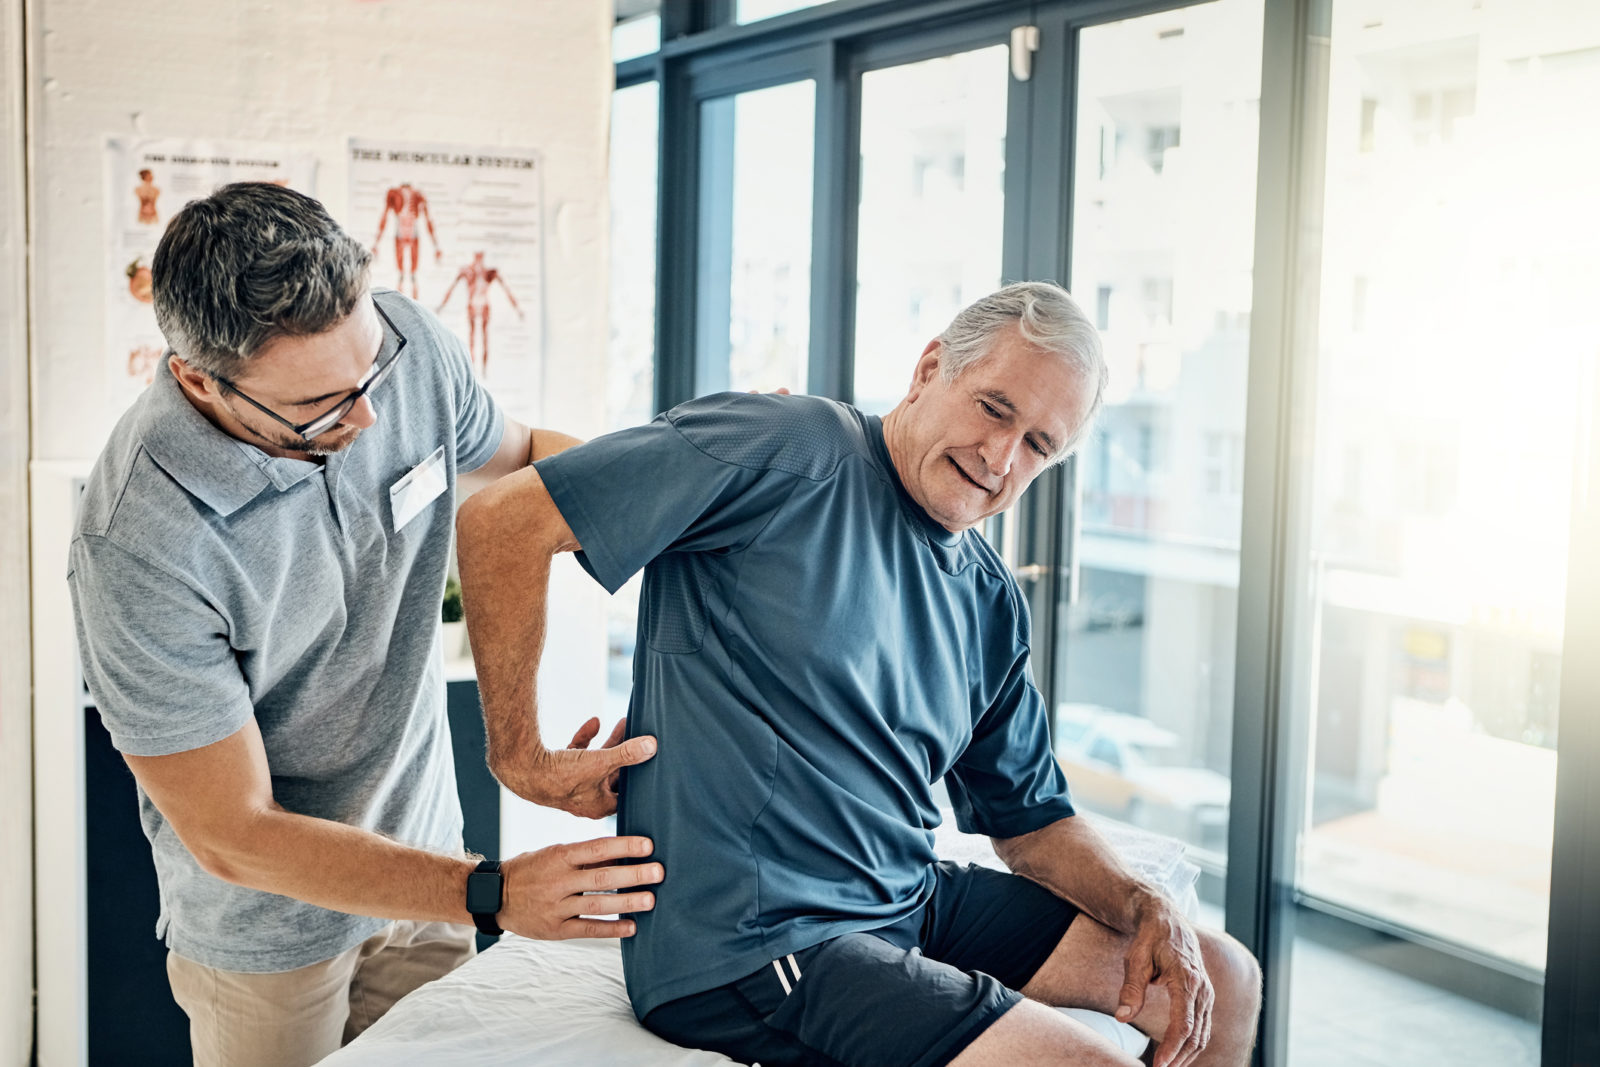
x: 479, y: 422
x: 1007, y: 782
x: 633, y: 495
x: 155, y: 654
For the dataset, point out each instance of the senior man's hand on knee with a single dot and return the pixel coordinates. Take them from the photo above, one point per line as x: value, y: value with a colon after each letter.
x: 1166, y: 952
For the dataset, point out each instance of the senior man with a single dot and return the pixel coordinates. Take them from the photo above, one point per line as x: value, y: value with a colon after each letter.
x: 256, y: 573
x: 822, y: 637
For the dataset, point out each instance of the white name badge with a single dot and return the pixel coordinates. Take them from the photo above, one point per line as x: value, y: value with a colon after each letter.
x: 418, y: 488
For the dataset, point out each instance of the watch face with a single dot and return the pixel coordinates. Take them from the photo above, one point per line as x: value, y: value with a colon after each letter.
x: 483, y: 892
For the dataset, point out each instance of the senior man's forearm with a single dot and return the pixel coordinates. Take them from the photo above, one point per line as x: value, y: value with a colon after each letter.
x: 508, y: 534
x: 542, y: 444
x: 1071, y: 859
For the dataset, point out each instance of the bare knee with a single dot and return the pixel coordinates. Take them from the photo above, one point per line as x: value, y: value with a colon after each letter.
x: 1232, y: 968
x: 1235, y: 978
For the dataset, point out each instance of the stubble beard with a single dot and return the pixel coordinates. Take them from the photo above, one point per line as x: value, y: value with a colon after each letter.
x: 321, y: 446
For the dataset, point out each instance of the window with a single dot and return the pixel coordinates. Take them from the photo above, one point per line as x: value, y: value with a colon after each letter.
x: 637, y: 29
x: 1157, y: 140
x: 1105, y: 752
x: 1151, y: 636
x: 755, y: 238
x: 1421, y: 676
x: 630, y: 355
x: 630, y: 377
x: 755, y: 10
x: 932, y: 208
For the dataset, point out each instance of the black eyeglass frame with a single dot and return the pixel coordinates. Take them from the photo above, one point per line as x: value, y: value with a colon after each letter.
x: 320, y: 425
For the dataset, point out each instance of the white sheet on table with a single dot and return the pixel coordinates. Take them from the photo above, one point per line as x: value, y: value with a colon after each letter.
x: 522, y: 1002
x: 556, y: 1003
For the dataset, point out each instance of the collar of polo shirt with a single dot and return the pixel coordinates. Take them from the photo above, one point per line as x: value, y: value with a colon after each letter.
x: 223, y: 472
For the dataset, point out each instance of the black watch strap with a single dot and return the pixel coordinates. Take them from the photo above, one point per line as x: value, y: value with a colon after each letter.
x: 485, y: 895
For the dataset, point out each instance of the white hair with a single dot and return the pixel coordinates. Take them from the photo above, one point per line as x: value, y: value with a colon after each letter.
x: 1048, y: 318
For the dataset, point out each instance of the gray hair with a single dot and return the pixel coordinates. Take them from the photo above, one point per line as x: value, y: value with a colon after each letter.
x: 1047, y: 317
x: 248, y: 264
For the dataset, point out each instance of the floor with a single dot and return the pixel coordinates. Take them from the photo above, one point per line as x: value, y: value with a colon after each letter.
x: 1348, y: 1013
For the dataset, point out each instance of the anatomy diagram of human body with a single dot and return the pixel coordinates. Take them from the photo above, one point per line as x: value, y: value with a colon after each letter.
x: 478, y: 278
x: 406, y: 203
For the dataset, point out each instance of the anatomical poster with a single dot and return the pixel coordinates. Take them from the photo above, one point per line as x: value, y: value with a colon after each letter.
x: 147, y: 182
x: 459, y: 229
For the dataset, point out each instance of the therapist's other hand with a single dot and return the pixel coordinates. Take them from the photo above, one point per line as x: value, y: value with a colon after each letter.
x: 553, y: 893
x: 582, y: 780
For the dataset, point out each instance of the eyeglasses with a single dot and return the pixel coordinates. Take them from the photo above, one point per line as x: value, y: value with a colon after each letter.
x: 394, y: 343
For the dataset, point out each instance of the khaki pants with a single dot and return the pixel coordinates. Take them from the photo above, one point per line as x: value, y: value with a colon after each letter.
x: 295, y: 1018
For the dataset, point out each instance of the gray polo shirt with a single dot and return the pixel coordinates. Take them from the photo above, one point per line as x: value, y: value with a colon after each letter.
x: 212, y: 583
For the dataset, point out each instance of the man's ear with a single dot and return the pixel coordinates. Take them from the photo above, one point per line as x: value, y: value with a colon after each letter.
x: 926, y: 370
x: 198, y: 384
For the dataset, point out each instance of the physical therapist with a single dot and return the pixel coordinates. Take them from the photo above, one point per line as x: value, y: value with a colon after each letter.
x: 256, y: 576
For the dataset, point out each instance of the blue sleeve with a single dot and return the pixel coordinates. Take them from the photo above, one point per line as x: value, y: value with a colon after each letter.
x: 671, y: 486
x: 1007, y: 782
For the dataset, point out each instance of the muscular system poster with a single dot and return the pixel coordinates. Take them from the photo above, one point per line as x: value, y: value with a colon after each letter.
x: 147, y: 181
x: 459, y: 229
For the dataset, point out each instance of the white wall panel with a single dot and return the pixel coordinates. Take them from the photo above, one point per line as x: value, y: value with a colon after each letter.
x: 16, y: 807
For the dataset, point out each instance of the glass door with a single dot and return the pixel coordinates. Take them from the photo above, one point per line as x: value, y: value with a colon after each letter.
x: 1163, y: 206
x: 1456, y: 316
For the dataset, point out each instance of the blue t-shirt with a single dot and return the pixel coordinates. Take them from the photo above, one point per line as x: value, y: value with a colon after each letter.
x: 814, y: 652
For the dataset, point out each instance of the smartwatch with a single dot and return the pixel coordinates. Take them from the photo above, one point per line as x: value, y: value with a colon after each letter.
x: 485, y: 893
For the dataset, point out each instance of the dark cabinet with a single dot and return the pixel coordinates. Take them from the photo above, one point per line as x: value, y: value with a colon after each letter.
x: 133, y: 1020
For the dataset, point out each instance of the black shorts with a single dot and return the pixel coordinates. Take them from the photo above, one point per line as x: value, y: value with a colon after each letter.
x: 914, y: 993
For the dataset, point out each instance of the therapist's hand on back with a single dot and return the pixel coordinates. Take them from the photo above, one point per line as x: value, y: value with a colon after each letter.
x: 550, y: 894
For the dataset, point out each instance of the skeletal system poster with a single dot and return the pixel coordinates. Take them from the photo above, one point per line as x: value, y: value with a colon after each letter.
x: 147, y: 182
x: 459, y: 229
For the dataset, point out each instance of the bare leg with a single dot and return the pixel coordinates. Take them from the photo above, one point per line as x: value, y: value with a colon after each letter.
x: 414, y: 243
x: 1086, y: 970
x: 1034, y: 1034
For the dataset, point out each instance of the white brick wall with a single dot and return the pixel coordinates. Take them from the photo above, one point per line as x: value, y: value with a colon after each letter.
x: 302, y: 72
